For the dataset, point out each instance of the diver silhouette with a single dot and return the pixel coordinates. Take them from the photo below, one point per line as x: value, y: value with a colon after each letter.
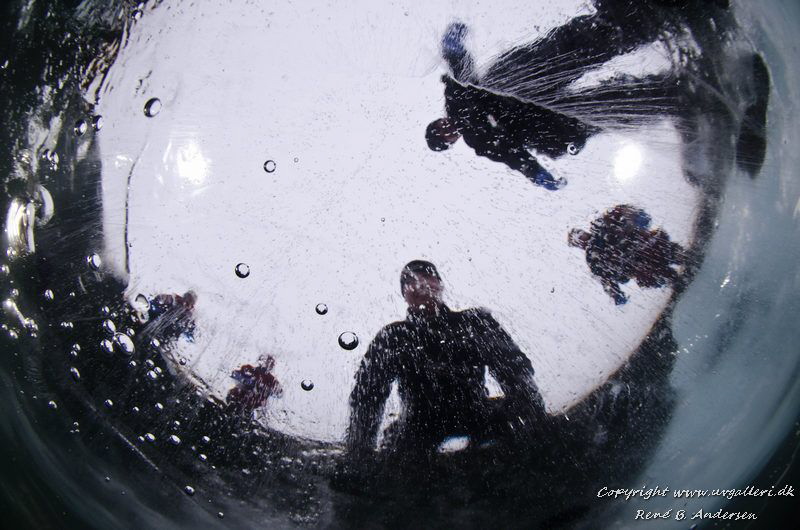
x: 499, y: 127
x: 620, y: 246
x: 438, y: 358
x: 254, y: 386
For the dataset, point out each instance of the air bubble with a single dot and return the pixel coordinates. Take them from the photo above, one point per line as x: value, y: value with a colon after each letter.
x: 189, y: 490
x: 94, y: 261
x: 220, y: 515
x: 52, y: 404
x: 137, y: 14
x: 202, y: 457
x: 48, y: 295
x: 107, y: 346
x: 124, y: 343
x: 97, y: 123
x: 321, y: 309
x: 205, y: 439
x: 80, y: 127
x: 348, y: 340
x: 270, y: 166
x: 76, y: 375
x: 152, y: 107
x: 307, y: 385
x: 109, y: 327
x: 572, y: 149
x: 5, y: 270
x: 242, y: 270
x: 159, y: 407
x: 174, y: 440
x: 150, y: 437
x: 152, y: 375
x: 140, y: 303
x: 108, y: 403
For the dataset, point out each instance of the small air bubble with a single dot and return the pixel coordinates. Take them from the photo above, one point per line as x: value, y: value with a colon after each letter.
x: 159, y: 407
x: 109, y: 327
x: 152, y: 107
x: 182, y: 361
x: 150, y: 437
x: 5, y: 270
x: 348, y: 340
x: 107, y: 346
x: 321, y: 309
x: 242, y: 270
x: 152, y: 375
x: 270, y: 166
x: 135, y: 410
x: 572, y: 149
x: 174, y: 440
x: 132, y: 364
x: 76, y: 375
x: 52, y: 404
x: 67, y: 325
x: 108, y: 403
x: 48, y: 295
x: 220, y: 515
x: 80, y: 127
x: 189, y: 490
x: 307, y: 385
x: 205, y: 439
x: 97, y: 123
x: 202, y: 457
x: 137, y: 14
x: 94, y: 261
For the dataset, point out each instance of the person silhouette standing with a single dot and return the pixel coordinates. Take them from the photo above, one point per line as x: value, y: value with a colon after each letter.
x: 438, y: 358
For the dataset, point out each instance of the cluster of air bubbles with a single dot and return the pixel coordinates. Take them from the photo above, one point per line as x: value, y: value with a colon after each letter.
x: 51, y: 158
x: 307, y: 385
x: 321, y: 309
x: 76, y: 428
x: 242, y: 270
x: 572, y: 149
x: 81, y: 127
x: 94, y: 261
x: 152, y: 107
x: 270, y: 166
x: 348, y: 340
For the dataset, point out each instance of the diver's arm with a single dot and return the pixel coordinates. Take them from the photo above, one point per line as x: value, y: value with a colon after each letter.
x: 510, y: 367
x: 373, y: 383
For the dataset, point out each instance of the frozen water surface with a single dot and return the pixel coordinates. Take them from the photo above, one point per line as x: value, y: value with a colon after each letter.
x: 208, y: 207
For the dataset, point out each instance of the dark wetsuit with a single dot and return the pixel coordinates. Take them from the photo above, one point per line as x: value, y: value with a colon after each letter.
x: 621, y: 247
x: 439, y: 364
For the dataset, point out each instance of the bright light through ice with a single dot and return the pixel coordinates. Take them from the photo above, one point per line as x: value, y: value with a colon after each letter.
x: 192, y: 166
x: 627, y: 162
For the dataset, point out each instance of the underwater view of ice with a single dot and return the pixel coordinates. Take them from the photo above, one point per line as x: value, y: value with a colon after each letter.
x: 395, y: 264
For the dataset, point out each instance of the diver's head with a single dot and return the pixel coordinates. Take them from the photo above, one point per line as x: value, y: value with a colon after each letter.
x: 421, y: 284
x: 579, y: 238
x: 441, y: 134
